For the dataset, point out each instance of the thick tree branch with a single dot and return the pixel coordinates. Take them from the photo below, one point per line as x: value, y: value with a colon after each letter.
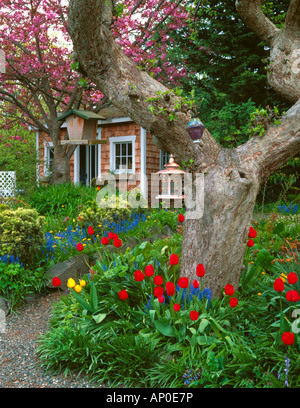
x: 252, y: 14
x: 129, y: 88
x: 292, y: 20
x: 264, y: 155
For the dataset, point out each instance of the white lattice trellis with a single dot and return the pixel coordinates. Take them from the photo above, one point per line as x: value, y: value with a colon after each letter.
x: 7, y: 183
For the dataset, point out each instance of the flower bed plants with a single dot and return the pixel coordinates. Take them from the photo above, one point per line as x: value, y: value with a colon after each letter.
x: 137, y: 322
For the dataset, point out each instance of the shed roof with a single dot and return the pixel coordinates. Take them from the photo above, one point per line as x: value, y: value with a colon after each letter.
x: 85, y: 114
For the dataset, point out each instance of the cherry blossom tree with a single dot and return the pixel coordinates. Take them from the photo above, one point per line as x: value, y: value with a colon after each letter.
x: 41, y: 81
x: 232, y: 177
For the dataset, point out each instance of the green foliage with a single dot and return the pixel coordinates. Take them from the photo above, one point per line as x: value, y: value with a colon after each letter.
x: 113, y: 207
x: 171, y: 107
x: 21, y: 234
x: 16, y: 283
x: 224, y: 56
x: 141, y: 342
x: 62, y: 199
x: 230, y: 124
x: 18, y: 153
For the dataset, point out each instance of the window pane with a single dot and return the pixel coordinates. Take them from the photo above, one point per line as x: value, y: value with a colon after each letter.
x: 129, y: 163
x: 123, y: 156
x: 130, y: 149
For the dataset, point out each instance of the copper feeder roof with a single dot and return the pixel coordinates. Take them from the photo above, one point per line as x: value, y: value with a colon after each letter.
x: 171, y: 168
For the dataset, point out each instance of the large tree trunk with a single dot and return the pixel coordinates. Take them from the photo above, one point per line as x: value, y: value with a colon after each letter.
x: 232, y: 177
x: 61, y: 167
x: 218, y: 239
x: 62, y: 153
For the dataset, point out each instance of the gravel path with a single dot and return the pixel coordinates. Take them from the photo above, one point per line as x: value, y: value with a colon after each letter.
x: 19, y: 364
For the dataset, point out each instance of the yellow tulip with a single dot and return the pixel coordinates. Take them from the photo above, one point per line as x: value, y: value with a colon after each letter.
x: 82, y: 282
x: 78, y: 288
x: 71, y: 283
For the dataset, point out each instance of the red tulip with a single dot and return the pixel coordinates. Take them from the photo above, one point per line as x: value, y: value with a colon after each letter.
x: 115, y: 236
x: 250, y: 243
x: 180, y: 217
x: 233, y: 302
x: 292, y: 278
x: 149, y: 270
x: 176, y: 307
x: 110, y: 235
x: 90, y: 231
x: 229, y: 290
x: 79, y: 246
x: 123, y: 294
x: 56, y: 281
x: 195, y: 284
x: 161, y: 299
x: 139, y: 276
x: 158, y: 291
x: 104, y: 241
x: 252, y: 233
x: 158, y: 280
x: 288, y: 338
x: 170, y: 288
x: 194, y: 315
x: 174, y: 259
x: 292, y: 296
x: 200, y: 271
x: 183, y: 282
x: 278, y: 285
x: 118, y: 243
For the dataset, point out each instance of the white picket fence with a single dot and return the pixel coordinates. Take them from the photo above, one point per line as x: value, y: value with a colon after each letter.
x: 7, y: 183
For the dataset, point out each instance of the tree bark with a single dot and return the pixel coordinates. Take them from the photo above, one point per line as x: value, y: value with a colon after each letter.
x: 232, y: 177
x: 60, y: 172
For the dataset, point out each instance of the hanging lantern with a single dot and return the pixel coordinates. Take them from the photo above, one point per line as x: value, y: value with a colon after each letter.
x: 82, y: 127
x: 171, y: 181
x: 195, y: 128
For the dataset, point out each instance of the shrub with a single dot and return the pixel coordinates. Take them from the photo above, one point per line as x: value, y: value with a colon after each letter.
x: 111, y: 209
x: 21, y: 233
x: 61, y: 199
x: 17, y: 282
x: 12, y: 203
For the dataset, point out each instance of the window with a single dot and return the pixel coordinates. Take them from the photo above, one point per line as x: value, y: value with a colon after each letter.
x: 122, y: 154
x: 164, y: 159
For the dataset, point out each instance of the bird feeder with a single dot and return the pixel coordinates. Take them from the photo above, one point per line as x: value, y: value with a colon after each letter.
x: 171, y: 181
x: 82, y: 127
x: 195, y: 128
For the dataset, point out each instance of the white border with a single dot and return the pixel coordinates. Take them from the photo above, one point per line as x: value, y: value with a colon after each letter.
x: 143, y: 183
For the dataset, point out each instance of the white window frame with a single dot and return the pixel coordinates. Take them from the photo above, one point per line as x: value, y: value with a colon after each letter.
x: 112, y: 149
x: 47, y: 146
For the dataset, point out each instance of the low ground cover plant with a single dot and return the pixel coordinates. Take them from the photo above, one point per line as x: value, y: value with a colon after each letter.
x: 17, y: 283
